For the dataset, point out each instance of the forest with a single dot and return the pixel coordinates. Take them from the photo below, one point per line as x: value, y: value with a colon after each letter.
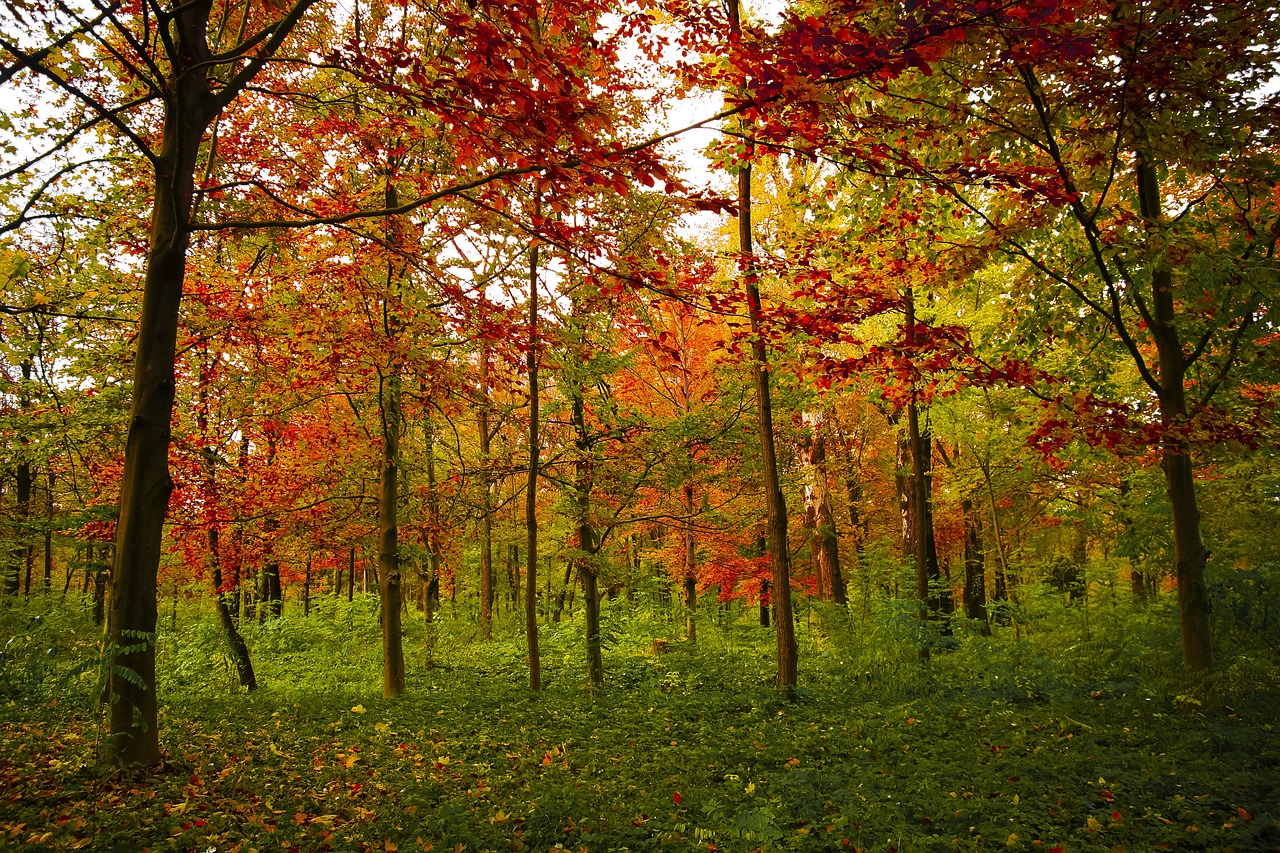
x: 644, y: 426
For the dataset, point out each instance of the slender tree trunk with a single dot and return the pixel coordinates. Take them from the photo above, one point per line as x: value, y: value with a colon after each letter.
x: 101, y: 579
x: 393, y: 682
x: 1190, y: 554
x: 788, y: 652
x: 531, y: 494
x: 213, y: 559
x: 272, y: 592
x: 433, y: 512
x: 584, y: 477
x: 486, y: 505
x: 235, y: 642
x: 1124, y: 516
x: 1002, y: 564
x: 48, y: 536
x: 690, y: 569
x: 351, y: 573
x: 975, y: 573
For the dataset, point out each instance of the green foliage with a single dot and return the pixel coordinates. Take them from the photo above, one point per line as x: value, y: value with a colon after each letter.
x: 1077, y: 731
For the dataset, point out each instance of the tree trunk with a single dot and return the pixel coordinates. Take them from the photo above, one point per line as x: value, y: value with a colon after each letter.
x: 272, y: 592
x: 824, y: 541
x: 1190, y: 555
x: 764, y: 603
x: 351, y: 573
x: 213, y: 558
x: 531, y: 494
x: 48, y: 537
x: 584, y: 480
x: 235, y: 642
x: 145, y: 485
x: 306, y: 588
x: 22, y: 514
x: 393, y: 682
x: 486, y: 505
x: 788, y: 652
x: 433, y: 517
x: 975, y: 572
x: 690, y: 570
x: 101, y: 577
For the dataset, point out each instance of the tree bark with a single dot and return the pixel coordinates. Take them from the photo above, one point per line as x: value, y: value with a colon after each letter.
x: 824, y: 541
x: 486, y: 504
x: 690, y: 569
x: 975, y: 572
x: 145, y: 486
x: 235, y: 642
x: 584, y: 474
x: 22, y: 515
x: 788, y: 652
x: 393, y: 682
x: 531, y: 493
x: 1190, y: 554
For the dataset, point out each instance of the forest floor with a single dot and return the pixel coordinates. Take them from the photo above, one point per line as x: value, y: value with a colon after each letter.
x: 1053, y: 740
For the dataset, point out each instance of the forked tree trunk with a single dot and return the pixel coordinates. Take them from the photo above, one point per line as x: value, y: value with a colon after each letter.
x: 1190, y: 554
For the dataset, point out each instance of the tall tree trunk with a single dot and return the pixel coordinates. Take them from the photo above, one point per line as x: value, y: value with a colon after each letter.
x: 23, y: 481
x: 1190, y: 554
x: 48, y: 535
x: 433, y: 516
x: 145, y: 484
x: 272, y: 590
x: 393, y: 682
x: 486, y: 504
x: 531, y: 494
x: 584, y: 475
x: 351, y: 573
x: 920, y: 449
x: 306, y: 587
x: 788, y: 652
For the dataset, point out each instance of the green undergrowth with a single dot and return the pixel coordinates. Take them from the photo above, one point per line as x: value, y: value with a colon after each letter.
x: 1072, y: 731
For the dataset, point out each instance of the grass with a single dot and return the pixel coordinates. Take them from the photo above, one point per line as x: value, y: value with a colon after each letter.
x: 1057, y: 738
